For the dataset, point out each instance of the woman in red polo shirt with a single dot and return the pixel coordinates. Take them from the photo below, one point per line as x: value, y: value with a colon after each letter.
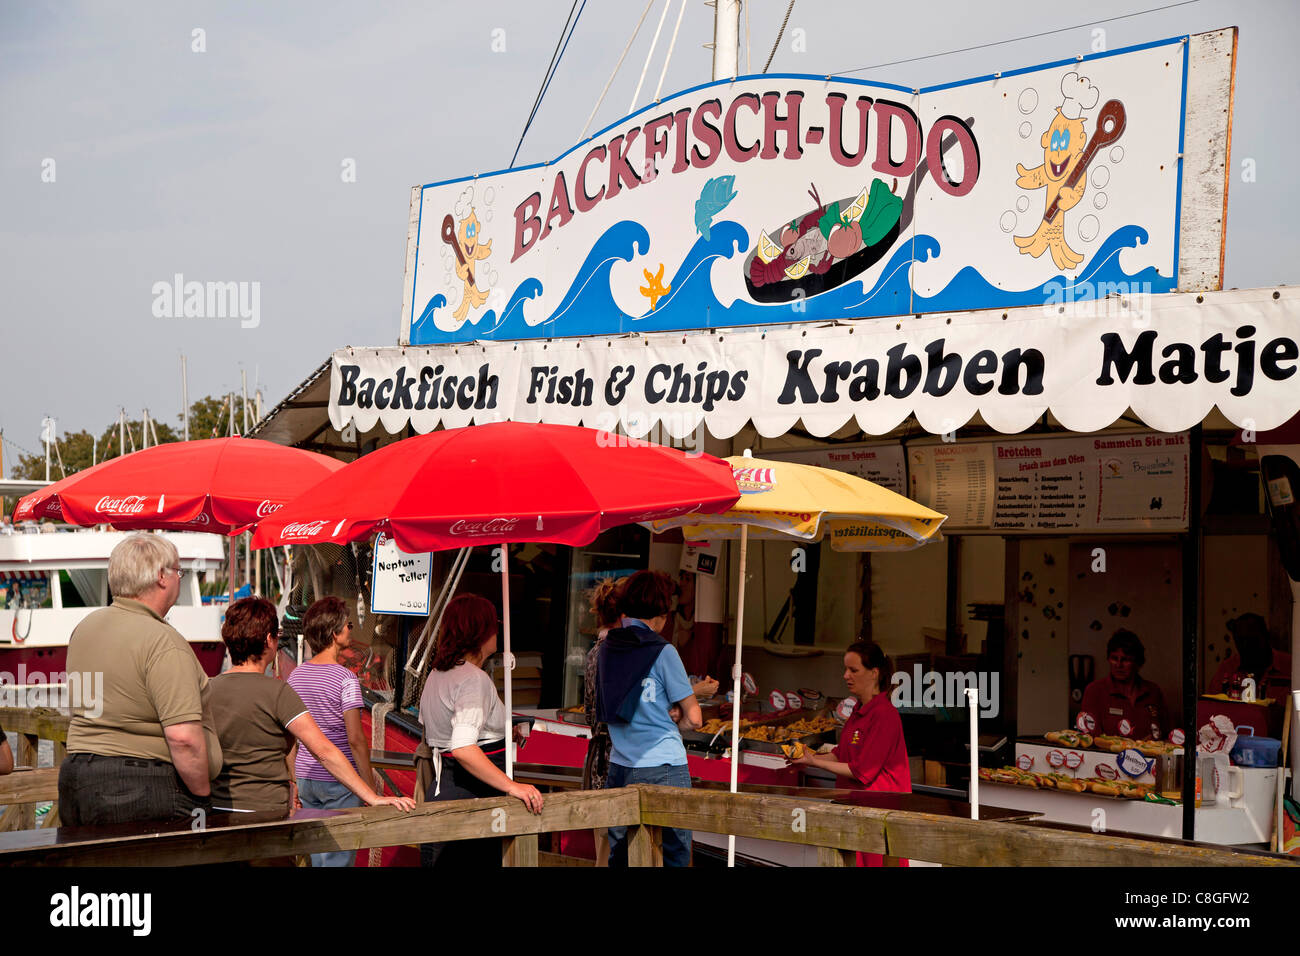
x: 872, y: 754
x: 1124, y: 704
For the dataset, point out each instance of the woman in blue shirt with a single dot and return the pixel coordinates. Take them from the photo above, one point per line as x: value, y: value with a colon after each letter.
x: 642, y: 691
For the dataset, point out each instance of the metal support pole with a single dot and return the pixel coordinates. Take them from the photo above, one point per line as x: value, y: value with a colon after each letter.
x: 1191, y: 627
x: 507, y: 660
x: 972, y: 699
x: 185, y: 399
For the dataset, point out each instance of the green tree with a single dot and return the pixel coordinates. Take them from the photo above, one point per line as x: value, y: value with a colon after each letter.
x: 78, y: 450
x: 210, y: 417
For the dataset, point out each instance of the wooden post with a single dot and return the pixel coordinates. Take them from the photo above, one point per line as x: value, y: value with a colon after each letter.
x: 28, y: 745
x: 645, y: 846
x: 829, y: 856
x: 519, y: 850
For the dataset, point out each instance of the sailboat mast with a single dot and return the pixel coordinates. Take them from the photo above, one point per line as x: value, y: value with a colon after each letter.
x: 726, y: 39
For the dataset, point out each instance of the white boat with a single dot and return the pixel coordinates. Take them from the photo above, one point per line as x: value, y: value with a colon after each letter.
x: 51, y: 579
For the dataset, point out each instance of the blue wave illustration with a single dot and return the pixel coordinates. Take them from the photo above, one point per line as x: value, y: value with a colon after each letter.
x: 589, y: 308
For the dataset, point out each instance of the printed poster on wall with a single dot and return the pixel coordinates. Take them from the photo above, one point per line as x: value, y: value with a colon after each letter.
x: 788, y: 198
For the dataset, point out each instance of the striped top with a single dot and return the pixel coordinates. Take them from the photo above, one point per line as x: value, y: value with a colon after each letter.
x: 327, y: 690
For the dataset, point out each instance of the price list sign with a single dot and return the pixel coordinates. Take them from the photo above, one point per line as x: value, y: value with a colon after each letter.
x: 400, y: 583
x: 1130, y: 482
x: 879, y: 463
x: 956, y: 480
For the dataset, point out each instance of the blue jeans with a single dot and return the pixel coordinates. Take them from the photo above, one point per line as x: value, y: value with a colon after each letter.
x: 328, y: 795
x: 677, y: 843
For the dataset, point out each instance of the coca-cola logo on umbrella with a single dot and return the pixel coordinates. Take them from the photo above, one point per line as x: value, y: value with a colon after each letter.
x: 129, y: 505
x: 199, y: 521
x: 478, y: 528
x: 663, y: 513
x: 302, y: 529
x: 268, y: 507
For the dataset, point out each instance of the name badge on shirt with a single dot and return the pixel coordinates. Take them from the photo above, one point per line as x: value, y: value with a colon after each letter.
x: 1117, y: 712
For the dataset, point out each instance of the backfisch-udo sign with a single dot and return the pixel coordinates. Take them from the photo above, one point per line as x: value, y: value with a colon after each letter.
x: 789, y: 198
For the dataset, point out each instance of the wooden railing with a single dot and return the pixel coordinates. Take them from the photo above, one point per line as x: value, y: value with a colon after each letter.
x: 837, y: 831
x: 26, y: 787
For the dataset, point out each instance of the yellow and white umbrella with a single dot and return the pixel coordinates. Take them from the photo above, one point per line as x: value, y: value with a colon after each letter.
x: 785, y: 500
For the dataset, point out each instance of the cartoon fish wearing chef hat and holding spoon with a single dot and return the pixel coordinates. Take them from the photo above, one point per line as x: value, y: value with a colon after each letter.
x: 1067, y: 151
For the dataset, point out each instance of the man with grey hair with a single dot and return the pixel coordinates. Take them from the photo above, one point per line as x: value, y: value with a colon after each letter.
x: 151, y: 753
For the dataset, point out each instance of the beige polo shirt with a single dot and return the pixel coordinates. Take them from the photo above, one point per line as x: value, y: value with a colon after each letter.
x: 151, y: 680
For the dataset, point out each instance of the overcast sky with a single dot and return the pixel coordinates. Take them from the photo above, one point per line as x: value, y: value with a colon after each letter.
x: 227, y: 164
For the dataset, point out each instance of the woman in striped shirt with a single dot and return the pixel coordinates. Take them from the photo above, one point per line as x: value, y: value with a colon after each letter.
x: 332, y: 694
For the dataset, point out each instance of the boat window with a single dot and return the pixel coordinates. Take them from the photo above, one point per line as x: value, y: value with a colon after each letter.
x: 82, y: 588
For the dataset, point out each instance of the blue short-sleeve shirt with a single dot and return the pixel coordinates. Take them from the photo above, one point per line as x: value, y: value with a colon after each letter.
x: 650, y: 738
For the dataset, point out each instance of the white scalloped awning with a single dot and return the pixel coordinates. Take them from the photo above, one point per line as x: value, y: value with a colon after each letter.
x: 1170, y: 358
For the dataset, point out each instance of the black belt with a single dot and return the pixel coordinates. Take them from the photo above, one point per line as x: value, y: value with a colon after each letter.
x: 130, y: 761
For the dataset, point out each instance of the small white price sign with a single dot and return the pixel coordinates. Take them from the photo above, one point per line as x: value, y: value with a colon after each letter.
x: 401, y: 583
x: 1074, y: 760
x: 793, y: 701
x: 1133, y: 763
x: 1025, y: 762
x: 1056, y: 758
x: 777, y: 700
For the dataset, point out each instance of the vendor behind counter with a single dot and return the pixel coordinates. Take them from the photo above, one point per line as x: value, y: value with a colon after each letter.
x: 1255, y: 657
x: 1123, y: 704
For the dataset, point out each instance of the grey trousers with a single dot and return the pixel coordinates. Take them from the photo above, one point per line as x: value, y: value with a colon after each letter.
x: 95, y: 790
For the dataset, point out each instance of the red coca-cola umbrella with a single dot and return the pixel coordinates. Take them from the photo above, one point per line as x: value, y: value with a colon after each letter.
x: 498, y: 484
x: 220, y: 485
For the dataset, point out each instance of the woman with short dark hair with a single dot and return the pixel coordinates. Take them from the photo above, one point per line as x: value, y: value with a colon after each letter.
x: 640, y: 680
x: 465, y: 726
x: 332, y: 694
x: 1123, y: 703
x: 258, y: 718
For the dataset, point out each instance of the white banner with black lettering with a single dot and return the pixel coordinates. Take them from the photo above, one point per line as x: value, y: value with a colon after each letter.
x: 1170, y: 358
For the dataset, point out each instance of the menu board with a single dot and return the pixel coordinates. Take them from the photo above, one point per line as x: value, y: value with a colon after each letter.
x: 882, y: 464
x: 1129, y: 482
x: 956, y: 480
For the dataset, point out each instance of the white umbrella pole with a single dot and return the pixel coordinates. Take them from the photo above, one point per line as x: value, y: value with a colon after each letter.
x: 735, y: 686
x: 972, y: 698
x: 507, y: 659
